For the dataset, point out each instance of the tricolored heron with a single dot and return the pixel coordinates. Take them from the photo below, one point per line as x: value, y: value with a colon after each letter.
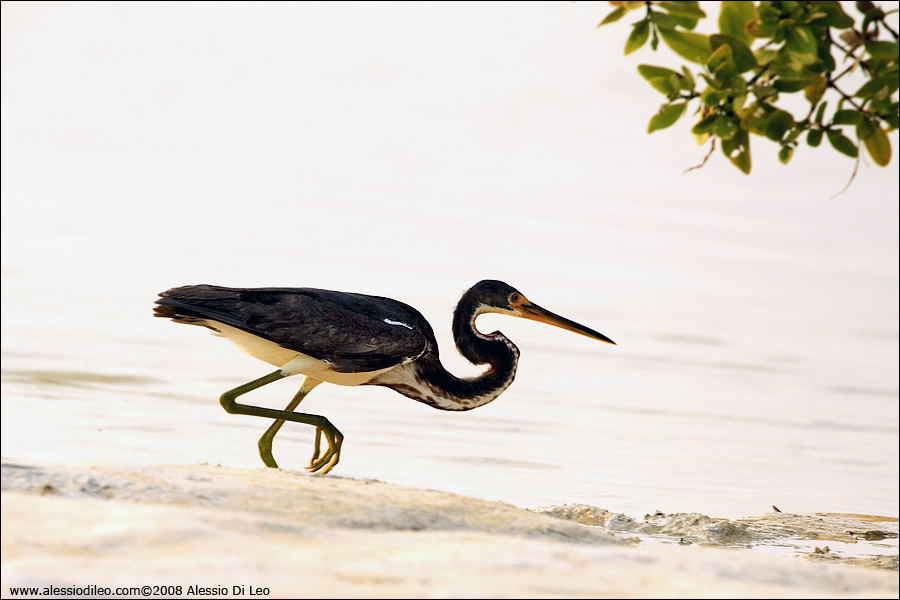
x: 354, y: 339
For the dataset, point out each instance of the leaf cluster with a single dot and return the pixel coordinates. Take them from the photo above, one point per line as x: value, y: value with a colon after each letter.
x: 762, y: 52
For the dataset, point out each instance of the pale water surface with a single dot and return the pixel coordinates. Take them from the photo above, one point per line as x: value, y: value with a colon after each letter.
x: 409, y: 151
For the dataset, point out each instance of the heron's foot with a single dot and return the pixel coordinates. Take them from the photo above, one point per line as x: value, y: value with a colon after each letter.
x: 324, y: 463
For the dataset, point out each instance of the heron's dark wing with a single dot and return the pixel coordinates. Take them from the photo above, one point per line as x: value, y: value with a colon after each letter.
x: 353, y: 332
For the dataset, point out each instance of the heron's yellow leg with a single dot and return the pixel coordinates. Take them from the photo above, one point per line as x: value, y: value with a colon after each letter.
x: 265, y: 442
x: 332, y: 435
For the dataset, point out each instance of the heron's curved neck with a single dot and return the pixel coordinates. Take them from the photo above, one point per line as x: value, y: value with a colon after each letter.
x: 426, y: 379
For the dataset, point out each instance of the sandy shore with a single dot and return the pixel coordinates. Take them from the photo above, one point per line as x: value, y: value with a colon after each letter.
x: 269, y: 533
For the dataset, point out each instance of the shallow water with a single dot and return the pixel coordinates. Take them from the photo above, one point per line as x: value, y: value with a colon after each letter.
x: 410, y: 151
x: 862, y: 540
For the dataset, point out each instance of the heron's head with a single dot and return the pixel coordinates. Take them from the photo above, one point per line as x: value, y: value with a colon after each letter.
x: 498, y: 297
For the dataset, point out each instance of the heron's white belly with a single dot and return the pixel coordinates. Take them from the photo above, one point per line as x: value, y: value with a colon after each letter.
x: 321, y: 370
x: 289, y: 361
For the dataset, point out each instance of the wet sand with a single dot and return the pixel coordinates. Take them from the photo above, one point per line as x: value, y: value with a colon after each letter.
x: 276, y: 533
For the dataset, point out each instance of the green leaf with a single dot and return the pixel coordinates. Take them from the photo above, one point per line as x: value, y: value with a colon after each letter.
x: 886, y: 50
x: 743, y: 56
x: 763, y: 90
x: 800, y: 42
x: 710, y: 96
x: 734, y: 18
x: 664, y: 20
x: 765, y: 55
x: 738, y: 94
x: 846, y: 116
x: 704, y: 125
x: 778, y: 124
x: 879, y: 88
x: 687, y: 81
x: 826, y: 61
x: 842, y: 143
x: 663, y: 85
x: 791, y: 85
x: 794, y: 133
x: 638, y: 36
x: 755, y: 117
x: 742, y: 160
x: 767, y: 21
x: 821, y: 112
x: 683, y: 9
x: 865, y: 128
x: 685, y: 14
x: 721, y: 63
x: 785, y: 154
x: 814, y: 137
x: 667, y: 115
x: 661, y: 78
x: 815, y: 90
x: 737, y: 149
x: 787, y: 64
x: 879, y: 146
x: 649, y: 72
x: 799, y: 39
x: 669, y: 21
x: 692, y: 46
x: 614, y: 16
x: 833, y: 14
x: 725, y: 127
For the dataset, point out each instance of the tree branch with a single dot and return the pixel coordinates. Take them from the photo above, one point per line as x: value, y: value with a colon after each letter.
x: 849, y: 99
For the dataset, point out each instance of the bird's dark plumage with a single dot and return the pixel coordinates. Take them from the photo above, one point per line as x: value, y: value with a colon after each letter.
x: 353, y: 332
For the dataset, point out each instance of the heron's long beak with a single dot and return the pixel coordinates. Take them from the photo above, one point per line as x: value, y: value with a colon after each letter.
x: 534, y: 312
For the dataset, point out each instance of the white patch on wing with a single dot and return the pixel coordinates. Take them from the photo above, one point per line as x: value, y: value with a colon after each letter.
x: 401, y: 323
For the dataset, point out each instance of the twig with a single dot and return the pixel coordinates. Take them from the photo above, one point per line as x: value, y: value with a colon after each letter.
x: 849, y: 99
x: 842, y: 73
x: 712, y: 147
x: 759, y: 73
x: 852, y: 175
x: 888, y: 27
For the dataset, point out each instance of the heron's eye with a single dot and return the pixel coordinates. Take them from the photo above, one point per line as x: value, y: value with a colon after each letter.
x: 514, y: 298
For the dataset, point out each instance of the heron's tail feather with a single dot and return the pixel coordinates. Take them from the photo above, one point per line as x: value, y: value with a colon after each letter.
x: 193, y: 304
